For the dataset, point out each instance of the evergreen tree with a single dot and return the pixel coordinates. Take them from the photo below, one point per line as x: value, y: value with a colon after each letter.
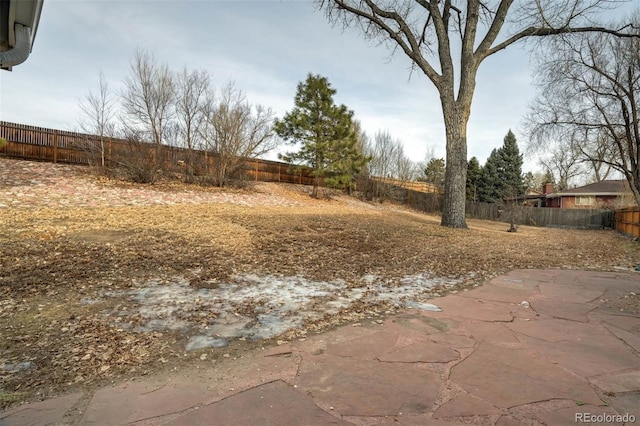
x: 434, y: 172
x: 474, y: 172
x: 489, y: 186
x: 325, y: 131
x: 511, y: 167
x: 502, y: 174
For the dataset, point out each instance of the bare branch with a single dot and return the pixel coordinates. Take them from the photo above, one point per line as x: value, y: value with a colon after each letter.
x: 543, y: 32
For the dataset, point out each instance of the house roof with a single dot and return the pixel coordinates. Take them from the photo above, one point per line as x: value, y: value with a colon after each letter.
x: 605, y: 187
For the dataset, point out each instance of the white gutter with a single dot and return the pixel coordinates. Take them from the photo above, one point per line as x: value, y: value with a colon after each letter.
x: 23, y: 20
x: 20, y: 51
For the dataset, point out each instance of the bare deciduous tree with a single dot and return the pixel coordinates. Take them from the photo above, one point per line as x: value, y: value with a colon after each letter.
x: 235, y: 131
x: 192, y: 92
x: 389, y: 164
x: 405, y: 169
x: 448, y: 40
x: 598, y: 153
x: 148, y: 97
x: 384, y: 154
x: 563, y: 164
x: 591, y: 88
x: 99, y: 111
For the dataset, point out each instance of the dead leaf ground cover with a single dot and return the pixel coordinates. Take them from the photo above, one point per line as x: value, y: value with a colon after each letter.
x: 58, y: 331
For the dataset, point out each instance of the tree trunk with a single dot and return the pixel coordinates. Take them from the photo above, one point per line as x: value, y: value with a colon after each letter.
x: 456, y: 119
x: 316, y: 184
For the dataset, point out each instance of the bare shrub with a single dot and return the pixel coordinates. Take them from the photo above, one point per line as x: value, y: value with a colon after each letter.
x: 136, y: 161
x: 235, y: 131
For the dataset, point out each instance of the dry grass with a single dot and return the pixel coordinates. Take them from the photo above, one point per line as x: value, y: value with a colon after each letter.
x: 51, y: 259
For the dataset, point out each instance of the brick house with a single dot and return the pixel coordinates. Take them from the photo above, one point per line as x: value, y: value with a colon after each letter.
x: 534, y: 198
x: 607, y: 194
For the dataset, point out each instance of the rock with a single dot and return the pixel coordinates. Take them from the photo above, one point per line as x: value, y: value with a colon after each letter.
x: 525, y: 304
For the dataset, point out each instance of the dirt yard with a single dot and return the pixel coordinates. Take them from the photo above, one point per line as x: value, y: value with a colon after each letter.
x: 101, y: 280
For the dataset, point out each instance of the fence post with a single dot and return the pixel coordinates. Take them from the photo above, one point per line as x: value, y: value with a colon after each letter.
x: 256, y: 169
x: 55, y: 146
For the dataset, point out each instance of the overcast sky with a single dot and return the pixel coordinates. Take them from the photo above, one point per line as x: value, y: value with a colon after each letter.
x: 266, y: 48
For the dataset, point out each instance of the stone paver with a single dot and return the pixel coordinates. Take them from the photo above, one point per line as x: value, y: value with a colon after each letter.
x: 499, y: 290
x: 355, y: 387
x: 423, y: 325
x: 475, y: 309
x: 552, y: 330
x: 429, y: 352
x: 485, y: 359
x: 454, y: 341
x: 576, y: 415
x: 568, y: 294
x: 627, y: 403
x: 466, y: 405
x: 602, y: 355
x: 277, y: 404
x: 49, y: 412
x: 137, y: 401
x: 630, y: 338
x: 563, y: 310
x: 367, y: 347
x: 495, y: 332
x: 498, y: 375
x: 628, y: 381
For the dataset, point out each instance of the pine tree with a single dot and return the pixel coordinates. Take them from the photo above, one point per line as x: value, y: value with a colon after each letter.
x: 489, y: 186
x: 511, y: 167
x: 434, y: 172
x: 502, y: 174
x: 474, y: 172
x: 326, y: 134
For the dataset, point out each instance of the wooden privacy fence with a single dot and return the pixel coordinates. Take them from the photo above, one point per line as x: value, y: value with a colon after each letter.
x: 570, y: 218
x: 410, y: 185
x: 628, y: 221
x: 59, y: 146
x: 533, y: 216
x: 38, y: 143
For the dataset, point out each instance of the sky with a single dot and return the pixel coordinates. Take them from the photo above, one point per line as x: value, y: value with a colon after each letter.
x: 266, y: 48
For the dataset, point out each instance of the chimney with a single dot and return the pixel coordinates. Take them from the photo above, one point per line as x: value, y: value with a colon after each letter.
x: 547, y: 188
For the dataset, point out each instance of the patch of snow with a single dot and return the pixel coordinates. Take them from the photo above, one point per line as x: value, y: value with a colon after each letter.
x: 422, y: 306
x: 89, y: 301
x: 201, y: 342
x: 16, y: 368
x: 261, y: 307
